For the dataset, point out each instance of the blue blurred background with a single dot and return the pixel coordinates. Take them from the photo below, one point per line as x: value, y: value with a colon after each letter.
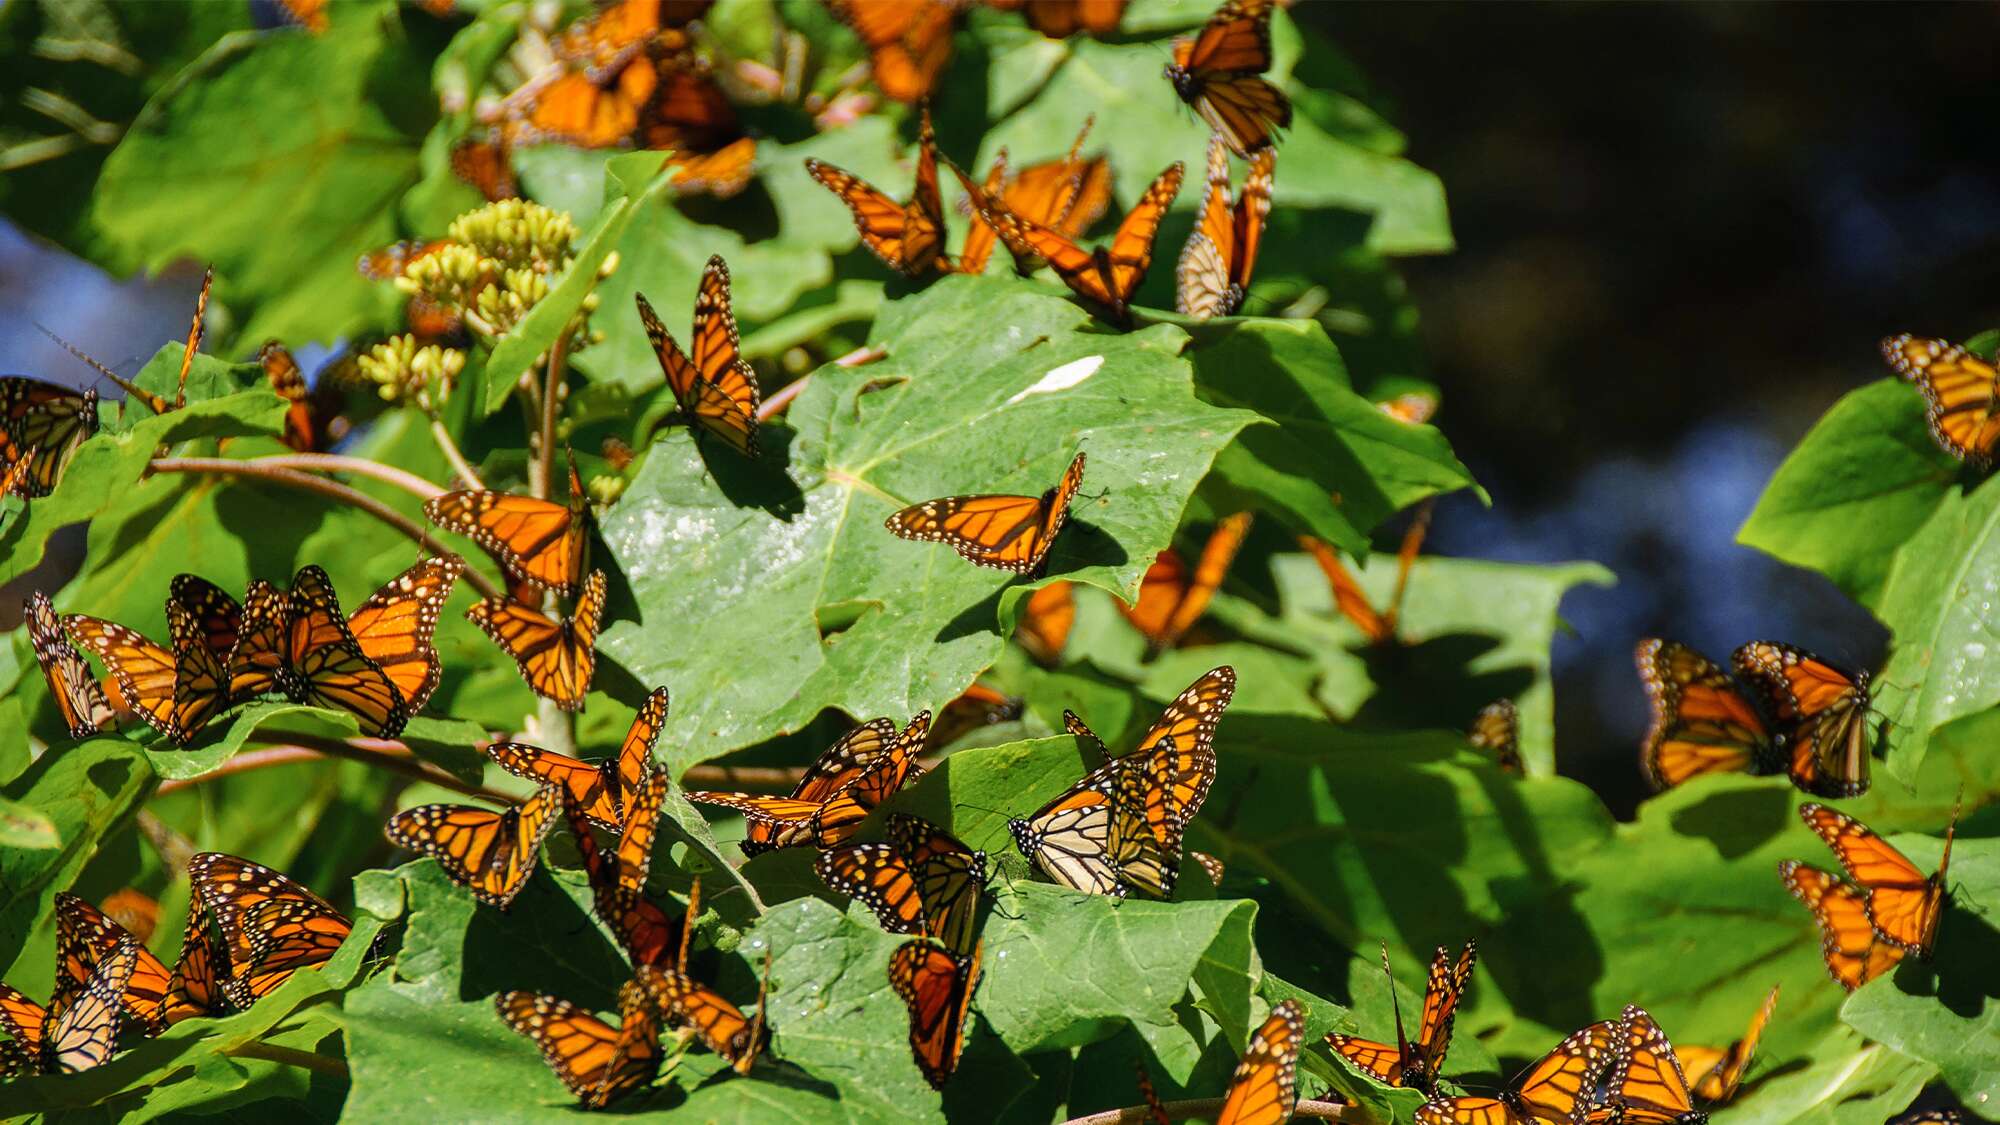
x: 1681, y: 232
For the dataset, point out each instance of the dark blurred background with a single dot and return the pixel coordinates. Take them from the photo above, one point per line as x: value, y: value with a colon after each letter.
x: 1681, y: 231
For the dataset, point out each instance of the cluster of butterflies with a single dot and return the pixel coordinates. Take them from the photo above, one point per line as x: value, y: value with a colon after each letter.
x: 249, y: 929
x: 377, y: 663
x: 1620, y: 1070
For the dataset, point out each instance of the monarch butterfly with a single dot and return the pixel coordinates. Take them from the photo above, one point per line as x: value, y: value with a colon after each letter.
x: 1497, y: 729
x: 1046, y: 622
x: 922, y: 882
x: 1702, y: 722
x: 604, y: 789
x: 193, y: 344
x: 270, y: 925
x: 1214, y: 271
x: 1068, y: 196
x: 41, y: 426
x: 852, y: 776
x: 689, y: 112
x: 135, y: 910
x: 174, y: 691
x: 1418, y: 1063
x: 977, y: 706
x: 1189, y: 723
x: 618, y: 885
x: 1904, y: 904
x: 1559, y: 1086
x: 491, y: 854
x: 608, y: 37
x: 66, y: 1038
x: 1719, y: 1071
x: 307, y: 14
x: 1823, y: 711
x: 722, y: 1026
x: 323, y: 664
x: 395, y: 625
x: 1264, y: 1090
x: 1060, y: 19
x: 1106, y: 275
x: 1098, y: 836
x: 716, y: 390
x: 722, y: 172
x: 908, y: 41
x: 1960, y: 391
x: 533, y: 540
x: 908, y: 237
x: 1854, y: 953
x: 195, y: 987
x: 1003, y: 532
x: 312, y: 419
x: 1156, y: 1113
x: 1219, y: 73
x: 557, y: 658
x: 77, y: 694
x: 1645, y: 1085
x: 597, y: 1062
x: 1378, y: 627
x: 1412, y: 408
x: 485, y: 165
x: 937, y: 986
x: 84, y: 937
x: 1170, y: 599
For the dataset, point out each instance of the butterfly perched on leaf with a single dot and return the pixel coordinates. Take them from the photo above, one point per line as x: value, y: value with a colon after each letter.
x: 714, y: 386
x: 322, y: 663
x: 177, y: 690
x: 1264, y: 1088
x: 41, y: 426
x: 597, y: 1062
x: 936, y: 985
x: 1904, y: 905
x: 535, y: 541
x: 1098, y: 836
x: 908, y: 41
x: 1220, y: 73
x: 78, y: 1030
x: 1497, y: 730
x: 721, y: 1025
x: 269, y: 925
x: 856, y: 773
x: 1190, y: 721
x: 1067, y: 196
x: 85, y: 936
x: 1854, y: 953
x: 1702, y: 720
x: 1001, y: 531
x: 1214, y: 270
x: 1716, y: 1073
x: 1822, y: 711
x: 1108, y: 275
x: 923, y: 881
x: 557, y: 658
x: 1171, y: 599
x: 1561, y: 1086
x: 908, y: 237
x: 1415, y: 1062
x: 1961, y: 394
x: 492, y: 854
x: 602, y: 790
x: 1645, y: 1084
x: 618, y: 881
x: 78, y: 697
x: 1378, y: 626
x: 1046, y: 621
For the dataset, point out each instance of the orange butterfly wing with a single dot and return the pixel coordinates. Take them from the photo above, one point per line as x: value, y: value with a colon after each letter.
x: 1497, y: 730
x: 1567, y: 1078
x: 1047, y: 620
x: 595, y: 1061
x: 876, y: 876
x: 722, y: 1026
x: 1646, y: 1083
x: 1171, y: 600
x: 1961, y: 390
x: 492, y: 854
x: 1718, y: 1073
x: 937, y: 988
x: 84, y: 938
x: 908, y: 237
x: 270, y: 927
x: 77, y: 694
x: 1904, y: 904
x: 1854, y: 953
x: 716, y: 389
x: 1218, y: 72
x: 1264, y: 1089
x: 909, y: 42
x: 556, y: 658
x: 1701, y: 721
x: 395, y: 625
x: 1004, y: 532
x: 535, y: 540
x: 1824, y: 710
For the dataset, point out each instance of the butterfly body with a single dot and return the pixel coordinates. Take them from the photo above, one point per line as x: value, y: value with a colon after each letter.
x: 1823, y: 711
x: 1220, y: 71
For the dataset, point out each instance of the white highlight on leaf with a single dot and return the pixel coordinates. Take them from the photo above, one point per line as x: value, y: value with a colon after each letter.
x: 1062, y: 378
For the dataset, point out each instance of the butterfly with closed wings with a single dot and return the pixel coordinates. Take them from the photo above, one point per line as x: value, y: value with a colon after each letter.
x: 1214, y: 270
x: 923, y: 881
x: 714, y: 386
x: 908, y: 237
x: 1418, y: 1062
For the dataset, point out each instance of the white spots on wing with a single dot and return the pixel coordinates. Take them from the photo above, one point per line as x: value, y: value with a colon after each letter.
x: 1062, y: 378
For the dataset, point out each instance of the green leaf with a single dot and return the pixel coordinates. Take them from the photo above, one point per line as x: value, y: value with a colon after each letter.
x: 1947, y: 1014
x: 1865, y: 478
x: 1938, y: 601
x: 85, y: 791
x: 1335, y: 465
x: 1846, y: 1081
x: 855, y: 618
x: 26, y: 827
x: 292, y: 151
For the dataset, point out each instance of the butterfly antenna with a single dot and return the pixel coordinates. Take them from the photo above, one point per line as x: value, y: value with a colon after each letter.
x: 194, y: 336
x: 1395, y: 1005
x: 1951, y: 830
x: 1406, y: 558
x: 153, y: 402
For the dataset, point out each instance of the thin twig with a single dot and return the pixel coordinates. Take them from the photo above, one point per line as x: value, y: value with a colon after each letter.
x: 244, y: 763
x: 457, y: 459
x: 309, y: 483
x: 770, y: 407
x: 359, y: 466
x: 378, y: 753
x: 545, y: 457
x: 1204, y: 1108
x: 743, y: 777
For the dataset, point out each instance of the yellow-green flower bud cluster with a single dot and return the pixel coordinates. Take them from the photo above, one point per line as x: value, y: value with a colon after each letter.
x: 404, y: 371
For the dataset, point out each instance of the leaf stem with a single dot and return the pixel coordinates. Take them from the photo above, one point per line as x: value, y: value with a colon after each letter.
x: 359, y: 466
x: 459, y: 464
x: 551, y: 401
x: 1204, y: 1108
x: 288, y: 1056
x: 262, y: 469
x: 378, y: 753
